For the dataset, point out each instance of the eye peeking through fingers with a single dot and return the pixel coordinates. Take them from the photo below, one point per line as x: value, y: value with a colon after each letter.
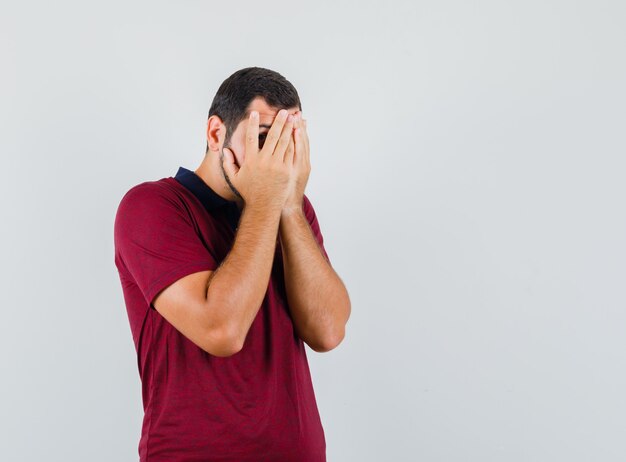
x: 262, y: 137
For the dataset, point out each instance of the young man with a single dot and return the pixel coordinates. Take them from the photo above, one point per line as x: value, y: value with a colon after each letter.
x: 225, y: 277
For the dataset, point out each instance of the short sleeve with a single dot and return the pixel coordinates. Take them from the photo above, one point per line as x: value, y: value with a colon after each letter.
x: 155, y: 239
x: 311, y: 217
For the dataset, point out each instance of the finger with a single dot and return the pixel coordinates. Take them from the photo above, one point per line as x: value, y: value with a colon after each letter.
x: 273, y: 135
x: 289, y: 154
x: 302, y: 142
x: 283, y: 142
x: 305, y: 135
x: 252, y: 134
x: 297, y: 136
x: 229, y: 163
x: 296, y: 123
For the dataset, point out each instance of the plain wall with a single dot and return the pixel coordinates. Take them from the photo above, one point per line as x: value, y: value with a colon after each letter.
x: 468, y: 176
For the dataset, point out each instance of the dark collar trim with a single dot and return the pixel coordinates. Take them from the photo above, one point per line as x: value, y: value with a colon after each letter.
x: 209, y: 198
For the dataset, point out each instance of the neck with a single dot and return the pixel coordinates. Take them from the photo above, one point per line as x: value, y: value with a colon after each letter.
x: 210, y: 171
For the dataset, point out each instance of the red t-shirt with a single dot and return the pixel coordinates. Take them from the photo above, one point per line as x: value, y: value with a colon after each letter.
x: 256, y: 405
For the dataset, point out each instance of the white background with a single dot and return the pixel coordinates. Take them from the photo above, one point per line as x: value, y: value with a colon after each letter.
x: 468, y: 176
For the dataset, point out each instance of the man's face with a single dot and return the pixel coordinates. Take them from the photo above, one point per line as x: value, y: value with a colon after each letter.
x: 267, y: 114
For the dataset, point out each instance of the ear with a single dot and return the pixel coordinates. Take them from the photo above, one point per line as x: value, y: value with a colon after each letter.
x: 215, y: 133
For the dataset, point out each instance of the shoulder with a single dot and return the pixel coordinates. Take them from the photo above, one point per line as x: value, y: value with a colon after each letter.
x: 150, y: 196
x: 149, y: 203
x: 149, y: 191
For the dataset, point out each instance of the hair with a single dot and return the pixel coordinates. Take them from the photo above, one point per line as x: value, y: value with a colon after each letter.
x: 235, y: 94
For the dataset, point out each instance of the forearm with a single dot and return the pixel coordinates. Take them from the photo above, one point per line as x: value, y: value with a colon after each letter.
x: 238, y: 286
x: 318, y: 300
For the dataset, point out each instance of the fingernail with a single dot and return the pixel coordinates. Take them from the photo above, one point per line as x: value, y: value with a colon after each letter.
x: 290, y: 118
x: 254, y: 114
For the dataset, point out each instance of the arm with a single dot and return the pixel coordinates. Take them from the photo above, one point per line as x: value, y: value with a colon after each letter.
x: 215, y: 309
x: 318, y: 300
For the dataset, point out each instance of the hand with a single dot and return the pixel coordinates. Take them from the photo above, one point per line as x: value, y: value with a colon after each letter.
x: 301, y: 167
x: 264, y: 175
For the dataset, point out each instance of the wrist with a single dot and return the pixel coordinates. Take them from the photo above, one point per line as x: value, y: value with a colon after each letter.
x: 292, y: 208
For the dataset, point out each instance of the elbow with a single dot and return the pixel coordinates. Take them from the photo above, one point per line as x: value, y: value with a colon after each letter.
x: 221, y: 338
x: 329, y: 343
x: 330, y: 338
x: 222, y: 343
x: 224, y: 351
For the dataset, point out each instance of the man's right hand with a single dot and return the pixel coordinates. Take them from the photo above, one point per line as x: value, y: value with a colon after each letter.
x: 264, y: 174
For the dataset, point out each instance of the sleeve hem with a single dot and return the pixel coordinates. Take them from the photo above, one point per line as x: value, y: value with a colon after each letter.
x: 174, y: 275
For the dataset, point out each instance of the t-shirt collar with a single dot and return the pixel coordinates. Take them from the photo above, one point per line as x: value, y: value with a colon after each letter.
x: 202, y: 191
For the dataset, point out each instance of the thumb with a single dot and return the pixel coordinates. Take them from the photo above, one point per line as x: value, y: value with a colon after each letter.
x: 229, y: 162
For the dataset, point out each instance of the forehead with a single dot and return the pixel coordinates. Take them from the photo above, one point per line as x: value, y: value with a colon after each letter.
x: 267, y: 113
